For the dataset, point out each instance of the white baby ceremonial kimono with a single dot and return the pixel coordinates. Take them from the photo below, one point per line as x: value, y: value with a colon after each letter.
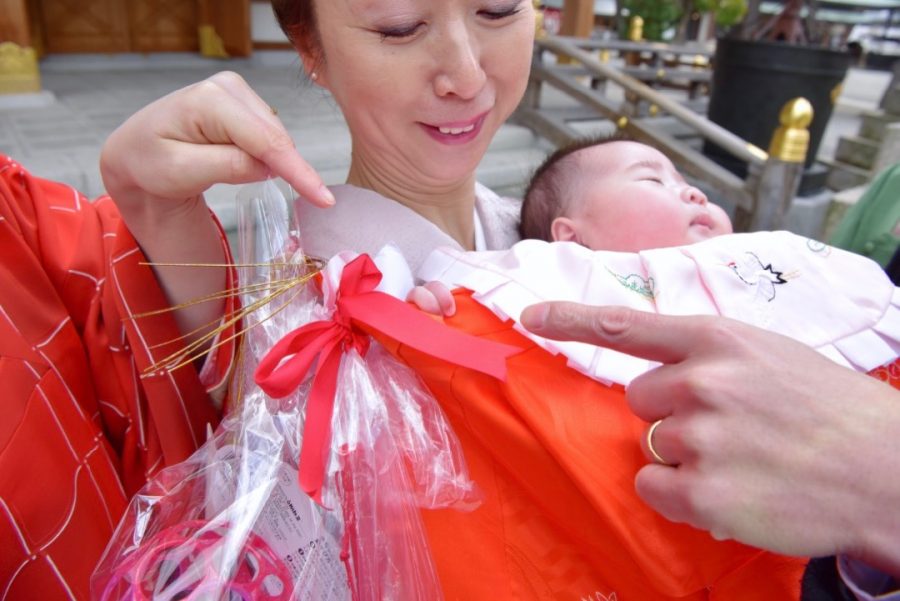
x: 837, y: 302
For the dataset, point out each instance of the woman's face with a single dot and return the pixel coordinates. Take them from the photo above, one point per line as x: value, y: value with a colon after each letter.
x: 424, y: 84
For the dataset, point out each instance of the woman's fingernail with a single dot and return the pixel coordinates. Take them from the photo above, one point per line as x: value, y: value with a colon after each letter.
x: 325, y: 195
x: 535, y: 316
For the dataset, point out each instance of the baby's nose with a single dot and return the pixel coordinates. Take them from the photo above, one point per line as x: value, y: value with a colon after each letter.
x: 693, y: 195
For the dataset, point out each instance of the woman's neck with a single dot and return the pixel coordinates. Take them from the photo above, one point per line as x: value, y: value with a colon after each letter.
x: 451, y: 207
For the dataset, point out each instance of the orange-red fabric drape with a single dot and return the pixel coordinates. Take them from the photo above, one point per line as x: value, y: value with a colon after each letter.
x: 555, y: 454
x: 80, y: 430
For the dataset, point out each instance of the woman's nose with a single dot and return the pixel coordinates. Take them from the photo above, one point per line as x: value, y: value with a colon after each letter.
x: 693, y: 195
x: 460, y: 72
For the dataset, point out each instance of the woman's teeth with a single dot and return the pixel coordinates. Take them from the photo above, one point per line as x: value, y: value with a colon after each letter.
x: 455, y: 131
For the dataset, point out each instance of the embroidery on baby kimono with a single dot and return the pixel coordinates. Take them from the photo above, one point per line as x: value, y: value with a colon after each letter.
x: 820, y: 248
x: 754, y: 272
x: 646, y: 287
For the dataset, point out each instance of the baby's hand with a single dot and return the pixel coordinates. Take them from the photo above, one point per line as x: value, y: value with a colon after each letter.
x: 434, y: 298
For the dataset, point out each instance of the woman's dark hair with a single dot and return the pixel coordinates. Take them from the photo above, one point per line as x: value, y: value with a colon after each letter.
x: 297, y: 19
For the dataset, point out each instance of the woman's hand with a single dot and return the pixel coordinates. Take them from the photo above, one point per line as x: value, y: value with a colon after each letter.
x: 770, y: 443
x: 157, y: 165
x: 215, y: 131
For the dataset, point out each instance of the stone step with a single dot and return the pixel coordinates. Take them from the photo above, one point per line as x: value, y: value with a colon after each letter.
x: 843, y: 175
x: 857, y: 151
x: 841, y: 202
x: 873, y: 124
x: 891, y: 100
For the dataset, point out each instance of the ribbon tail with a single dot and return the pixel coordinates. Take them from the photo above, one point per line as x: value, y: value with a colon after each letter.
x: 410, y: 326
x: 316, y: 444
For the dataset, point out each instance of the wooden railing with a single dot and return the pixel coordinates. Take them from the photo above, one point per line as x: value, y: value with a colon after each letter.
x: 761, y: 199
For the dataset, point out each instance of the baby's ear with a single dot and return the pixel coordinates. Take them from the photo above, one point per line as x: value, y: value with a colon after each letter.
x: 562, y: 229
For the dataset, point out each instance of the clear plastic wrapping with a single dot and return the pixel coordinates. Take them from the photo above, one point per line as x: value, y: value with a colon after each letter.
x: 232, y: 523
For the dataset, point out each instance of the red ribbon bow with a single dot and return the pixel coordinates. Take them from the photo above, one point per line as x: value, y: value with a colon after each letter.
x: 285, y: 366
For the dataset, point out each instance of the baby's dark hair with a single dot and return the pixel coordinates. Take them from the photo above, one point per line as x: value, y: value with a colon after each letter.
x: 545, y: 196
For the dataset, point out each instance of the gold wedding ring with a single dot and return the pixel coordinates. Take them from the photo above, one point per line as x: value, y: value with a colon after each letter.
x: 657, y: 458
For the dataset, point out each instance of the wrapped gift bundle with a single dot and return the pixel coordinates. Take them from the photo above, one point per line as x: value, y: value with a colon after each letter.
x: 312, y: 486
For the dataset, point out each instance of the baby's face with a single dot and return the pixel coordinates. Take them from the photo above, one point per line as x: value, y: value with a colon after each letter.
x: 632, y: 198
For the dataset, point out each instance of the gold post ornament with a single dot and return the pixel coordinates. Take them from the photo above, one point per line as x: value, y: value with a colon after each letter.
x: 636, y: 29
x: 211, y: 44
x: 622, y: 122
x: 790, y: 142
x: 836, y: 92
x: 19, y: 72
x: 539, y: 30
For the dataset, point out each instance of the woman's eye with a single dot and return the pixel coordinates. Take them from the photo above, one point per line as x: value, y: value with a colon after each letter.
x: 399, y: 33
x: 655, y: 180
x: 497, y: 14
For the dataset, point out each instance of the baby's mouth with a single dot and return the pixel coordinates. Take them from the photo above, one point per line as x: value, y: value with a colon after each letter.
x: 703, y: 220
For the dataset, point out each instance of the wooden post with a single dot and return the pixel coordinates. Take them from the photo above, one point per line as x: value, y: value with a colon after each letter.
x: 577, y: 21
x: 224, y: 31
x: 577, y: 18
x: 14, y: 23
x: 775, y: 183
x: 19, y: 72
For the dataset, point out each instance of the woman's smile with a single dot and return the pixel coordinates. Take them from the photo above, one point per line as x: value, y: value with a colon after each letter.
x: 457, y: 132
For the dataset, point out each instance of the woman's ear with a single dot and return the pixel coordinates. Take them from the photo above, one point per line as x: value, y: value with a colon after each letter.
x: 563, y: 229
x: 312, y: 65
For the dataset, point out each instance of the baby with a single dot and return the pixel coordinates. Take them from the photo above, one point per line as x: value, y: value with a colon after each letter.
x: 605, y: 194
x: 613, y: 222
x: 616, y: 194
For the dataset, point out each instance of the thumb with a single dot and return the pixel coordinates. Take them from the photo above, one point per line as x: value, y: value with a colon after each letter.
x: 663, y: 338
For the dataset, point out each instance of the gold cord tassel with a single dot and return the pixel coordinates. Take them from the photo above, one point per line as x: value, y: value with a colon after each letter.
x: 273, y: 289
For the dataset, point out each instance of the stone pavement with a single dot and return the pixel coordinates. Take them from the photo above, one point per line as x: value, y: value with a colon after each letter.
x: 59, y: 136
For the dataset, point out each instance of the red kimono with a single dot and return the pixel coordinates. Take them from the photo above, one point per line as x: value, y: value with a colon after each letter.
x: 81, y: 429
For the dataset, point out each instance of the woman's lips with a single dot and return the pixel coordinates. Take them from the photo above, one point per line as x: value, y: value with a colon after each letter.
x: 459, y: 132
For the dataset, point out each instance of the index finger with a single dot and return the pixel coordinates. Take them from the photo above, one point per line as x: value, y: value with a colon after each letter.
x: 663, y: 338
x: 229, y: 118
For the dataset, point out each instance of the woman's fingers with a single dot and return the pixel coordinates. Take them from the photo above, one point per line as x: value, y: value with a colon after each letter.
x: 235, y: 85
x: 240, y: 118
x: 667, y: 490
x: 160, y: 150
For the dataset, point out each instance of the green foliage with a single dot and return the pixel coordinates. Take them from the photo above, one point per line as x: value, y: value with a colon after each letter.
x: 658, y: 15
x: 726, y: 12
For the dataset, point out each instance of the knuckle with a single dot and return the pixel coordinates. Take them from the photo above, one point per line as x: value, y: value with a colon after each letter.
x: 721, y: 332
x: 226, y: 78
x: 278, y: 140
x: 206, y: 89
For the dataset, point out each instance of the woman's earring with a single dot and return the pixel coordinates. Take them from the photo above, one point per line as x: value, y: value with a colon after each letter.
x: 314, y: 76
